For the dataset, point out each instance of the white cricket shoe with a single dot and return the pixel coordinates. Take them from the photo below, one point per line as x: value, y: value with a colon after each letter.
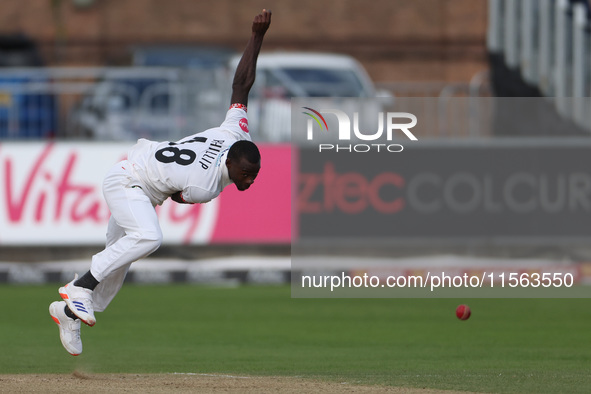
x: 79, y: 301
x: 69, y: 328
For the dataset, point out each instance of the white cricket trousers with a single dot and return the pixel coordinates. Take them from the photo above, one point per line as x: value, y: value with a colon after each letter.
x: 133, y: 232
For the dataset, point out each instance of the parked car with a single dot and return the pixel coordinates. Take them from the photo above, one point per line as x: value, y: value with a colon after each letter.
x: 149, y: 102
x: 169, y: 92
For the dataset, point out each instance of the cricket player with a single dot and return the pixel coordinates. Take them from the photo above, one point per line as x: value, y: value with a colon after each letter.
x: 193, y: 170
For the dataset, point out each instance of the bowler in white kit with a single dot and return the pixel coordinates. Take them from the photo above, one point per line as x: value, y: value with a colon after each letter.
x: 193, y: 170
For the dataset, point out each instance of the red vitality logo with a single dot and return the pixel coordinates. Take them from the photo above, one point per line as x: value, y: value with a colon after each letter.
x: 371, y: 141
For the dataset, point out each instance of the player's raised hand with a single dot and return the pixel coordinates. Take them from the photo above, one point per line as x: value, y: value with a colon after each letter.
x: 261, y: 22
x: 246, y: 71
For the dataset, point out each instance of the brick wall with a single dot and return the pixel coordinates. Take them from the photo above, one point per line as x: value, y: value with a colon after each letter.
x: 396, y: 40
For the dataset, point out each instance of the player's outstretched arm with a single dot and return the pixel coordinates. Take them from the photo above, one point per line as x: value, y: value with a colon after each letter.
x: 246, y: 70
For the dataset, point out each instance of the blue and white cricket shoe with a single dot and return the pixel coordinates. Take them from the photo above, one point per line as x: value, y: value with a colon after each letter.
x: 69, y: 328
x: 79, y: 301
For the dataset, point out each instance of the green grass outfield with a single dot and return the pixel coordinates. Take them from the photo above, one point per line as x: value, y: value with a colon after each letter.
x: 508, y: 345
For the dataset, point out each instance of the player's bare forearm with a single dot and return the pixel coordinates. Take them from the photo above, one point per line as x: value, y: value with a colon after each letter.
x: 246, y: 70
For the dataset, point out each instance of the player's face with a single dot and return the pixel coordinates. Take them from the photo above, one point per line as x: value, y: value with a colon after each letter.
x: 243, y: 173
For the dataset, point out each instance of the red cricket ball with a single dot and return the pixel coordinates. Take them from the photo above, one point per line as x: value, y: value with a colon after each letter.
x: 463, y: 312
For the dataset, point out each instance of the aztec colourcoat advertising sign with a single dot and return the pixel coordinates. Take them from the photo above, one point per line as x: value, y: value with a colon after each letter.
x: 513, y: 190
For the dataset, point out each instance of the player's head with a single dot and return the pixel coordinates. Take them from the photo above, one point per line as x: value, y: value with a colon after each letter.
x: 244, y: 163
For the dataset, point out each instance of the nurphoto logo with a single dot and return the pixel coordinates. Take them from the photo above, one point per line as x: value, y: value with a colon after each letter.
x: 395, y: 121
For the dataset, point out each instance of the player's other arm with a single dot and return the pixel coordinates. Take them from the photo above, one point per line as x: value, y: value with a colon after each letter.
x: 246, y: 70
x: 177, y: 197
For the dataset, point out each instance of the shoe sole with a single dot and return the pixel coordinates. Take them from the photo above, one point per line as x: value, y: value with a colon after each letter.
x: 57, y: 321
x: 65, y: 297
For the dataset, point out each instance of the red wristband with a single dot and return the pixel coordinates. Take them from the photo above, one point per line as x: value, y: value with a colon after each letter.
x: 239, y: 106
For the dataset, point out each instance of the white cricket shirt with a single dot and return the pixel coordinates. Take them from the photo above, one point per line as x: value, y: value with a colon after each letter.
x: 195, y: 165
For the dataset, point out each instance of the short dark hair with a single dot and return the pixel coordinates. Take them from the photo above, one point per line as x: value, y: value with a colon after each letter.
x: 245, y: 149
